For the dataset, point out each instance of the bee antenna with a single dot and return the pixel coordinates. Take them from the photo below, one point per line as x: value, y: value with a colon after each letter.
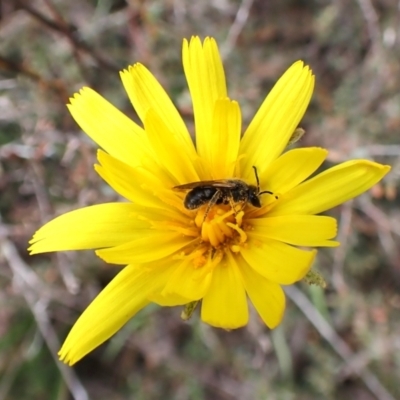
x: 258, y: 186
x: 258, y: 181
x: 269, y: 192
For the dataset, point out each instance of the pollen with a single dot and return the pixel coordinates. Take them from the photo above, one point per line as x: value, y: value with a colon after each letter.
x: 221, y: 227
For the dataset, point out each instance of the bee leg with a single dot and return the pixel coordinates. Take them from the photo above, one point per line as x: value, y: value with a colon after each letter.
x: 243, y: 205
x: 232, y: 204
x: 213, y: 201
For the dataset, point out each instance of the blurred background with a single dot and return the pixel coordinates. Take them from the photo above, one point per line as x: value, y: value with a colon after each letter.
x: 341, y: 342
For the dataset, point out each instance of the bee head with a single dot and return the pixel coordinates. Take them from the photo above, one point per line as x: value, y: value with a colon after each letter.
x: 253, y: 198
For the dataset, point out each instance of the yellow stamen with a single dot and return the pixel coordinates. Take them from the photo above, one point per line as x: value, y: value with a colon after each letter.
x: 217, y: 231
x: 239, y: 218
x: 220, y: 221
x: 221, y: 226
x: 209, y: 233
x: 235, y: 248
x: 243, y: 236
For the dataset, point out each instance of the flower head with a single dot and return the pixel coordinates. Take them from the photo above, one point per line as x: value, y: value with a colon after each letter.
x: 222, y: 248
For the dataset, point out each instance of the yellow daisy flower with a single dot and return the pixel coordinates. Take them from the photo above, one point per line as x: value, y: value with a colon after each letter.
x: 227, y: 250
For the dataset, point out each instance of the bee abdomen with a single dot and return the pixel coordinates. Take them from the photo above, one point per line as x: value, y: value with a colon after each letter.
x: 198, y: 196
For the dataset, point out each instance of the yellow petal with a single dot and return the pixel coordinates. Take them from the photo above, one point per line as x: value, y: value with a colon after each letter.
x: 267, y: 297
x: 137, y: 184
x: 292, y: 168
x: 225, y: 304
x: 188, y: 282
x: 330, y: 188
x: 225, y: 138
x: 299, y: 230
x: 109, y: 127
x: 206, y: 80
x: 146, y: 93
x: 119, y: 301
x: 277, y: 261
x: 280, y: 113
x: 93, y: 227
x: 163, y: 217
x: 169, y: 300
x: 123, y: 179
x: 152, y: 245
x: 168, y: 151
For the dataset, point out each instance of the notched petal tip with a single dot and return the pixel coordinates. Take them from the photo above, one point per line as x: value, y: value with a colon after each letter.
x: 194, y: 39
x: 36, y: 242
x: 99, y: 154
x: 303, y: 69
x: 297, y: 63
x: 31, y: 249
x: 302, y: 66
x: 63, y: 357
x: 75, y: 97
x: 278, y: 116
x: 127, y: 75
x: 83, y: 91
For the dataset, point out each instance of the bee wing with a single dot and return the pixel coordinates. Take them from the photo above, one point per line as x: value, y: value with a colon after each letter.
x: 221, y: 183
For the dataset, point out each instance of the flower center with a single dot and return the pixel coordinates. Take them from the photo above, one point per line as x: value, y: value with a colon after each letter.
x: 221, y: 226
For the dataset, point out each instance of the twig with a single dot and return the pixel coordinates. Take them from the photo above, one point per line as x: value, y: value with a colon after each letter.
x: 375, y: 150
x: 372, y: 20
x: 339, y: 345
x: 397, y: 24
x: 237, y: 26
x: 69, y: 31
x: 340, y: 253
x: 55, y: 85
x: 30, y: 286
x: 45, y: 208
x: 386, y: 229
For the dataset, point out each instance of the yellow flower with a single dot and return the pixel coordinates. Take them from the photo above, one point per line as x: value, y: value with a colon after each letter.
x: 221, y: 254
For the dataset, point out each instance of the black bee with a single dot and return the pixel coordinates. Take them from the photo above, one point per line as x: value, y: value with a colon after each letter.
x: 222, y: 191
